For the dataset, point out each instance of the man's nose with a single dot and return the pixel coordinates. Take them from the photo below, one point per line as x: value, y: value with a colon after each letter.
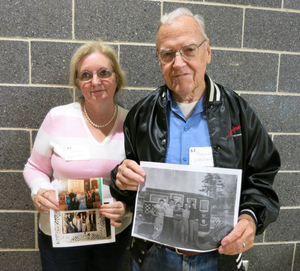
x: 178, y: 60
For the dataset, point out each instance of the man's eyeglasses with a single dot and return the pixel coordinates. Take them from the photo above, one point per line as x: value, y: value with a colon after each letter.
x: 88, y: 76
x: 187, y: 52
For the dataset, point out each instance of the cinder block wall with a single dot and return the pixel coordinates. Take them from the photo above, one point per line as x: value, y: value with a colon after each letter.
x: 255, y: 51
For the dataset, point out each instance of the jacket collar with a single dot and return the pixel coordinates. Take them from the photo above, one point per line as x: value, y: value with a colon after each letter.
x: 213, y: 91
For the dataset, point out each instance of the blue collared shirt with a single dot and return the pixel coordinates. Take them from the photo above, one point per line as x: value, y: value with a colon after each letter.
x: 183, y: 133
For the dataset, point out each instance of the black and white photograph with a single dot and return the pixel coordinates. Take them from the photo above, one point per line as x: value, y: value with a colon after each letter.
x: 186, y: 207
x: 79, y: 222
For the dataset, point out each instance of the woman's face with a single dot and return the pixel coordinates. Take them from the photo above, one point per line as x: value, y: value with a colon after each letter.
x: 96, y: 89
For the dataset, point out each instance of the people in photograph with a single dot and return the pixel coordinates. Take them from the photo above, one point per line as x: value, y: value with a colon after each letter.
x: 89, y: 202
x: 93, y: 125
x: 83, y: 222
x: 71, y: 228
x: 87, y: 222
x: 72, y: 204
x: 68, y: 201
x: 168, y: 220
x: 92, y: 218
x: 177, y: 217
x: 82, y: 203
x: 78, y: 196
x: 76, y: 203
x: 190, y: 110
x: 69, y: 218
x: 93, y: 195
x: 159, y: 212
x: 185, y: 223
x: 77, y: 223
x: 72, y: 195
x: 193, y: 224
x: 65, y: 223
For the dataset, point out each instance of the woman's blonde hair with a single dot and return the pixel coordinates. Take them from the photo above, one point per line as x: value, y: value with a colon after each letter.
x: 91, y: 47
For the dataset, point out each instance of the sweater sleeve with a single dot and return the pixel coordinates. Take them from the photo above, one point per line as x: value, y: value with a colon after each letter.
x: 38, y: 170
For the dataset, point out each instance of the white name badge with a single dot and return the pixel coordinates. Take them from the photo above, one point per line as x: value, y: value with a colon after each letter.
x: 77, y: 152
x: 201, y: 156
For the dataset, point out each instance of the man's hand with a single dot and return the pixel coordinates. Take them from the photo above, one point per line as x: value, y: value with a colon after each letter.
x: 241, y: 237
x: 130, y: 175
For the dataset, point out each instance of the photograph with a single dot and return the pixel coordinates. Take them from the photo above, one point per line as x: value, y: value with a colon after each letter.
x: 79, y: 194
x: 186, y: 207
x: 79, y: 222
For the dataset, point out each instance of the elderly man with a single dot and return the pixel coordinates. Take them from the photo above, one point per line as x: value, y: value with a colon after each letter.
x: 190, y: 110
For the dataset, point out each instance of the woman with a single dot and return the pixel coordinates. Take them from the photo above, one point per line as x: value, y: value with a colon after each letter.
x: 82, y: 205
x: 95, y: 127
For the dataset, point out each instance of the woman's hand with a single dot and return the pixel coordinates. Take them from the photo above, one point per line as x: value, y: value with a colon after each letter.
x: 45, y: 200
x: 114, y: 211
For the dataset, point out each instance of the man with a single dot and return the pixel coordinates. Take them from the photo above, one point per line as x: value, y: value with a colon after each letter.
x: 159, y: 214
x: 177, y: 217
x: 185, y: 223
x: 71, y: 228
x: 92, y: 220
x: 193, y: 224
x: 192, y: 111
x: 167, y: 233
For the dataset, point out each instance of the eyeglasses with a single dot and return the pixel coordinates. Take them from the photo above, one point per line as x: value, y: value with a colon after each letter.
x: 88, y: 76
x: 187, y: 52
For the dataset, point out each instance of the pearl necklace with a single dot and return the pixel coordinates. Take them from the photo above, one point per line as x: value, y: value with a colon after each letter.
x: 94, y: 124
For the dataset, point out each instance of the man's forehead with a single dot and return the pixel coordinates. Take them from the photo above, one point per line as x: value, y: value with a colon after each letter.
x: 179, y: 32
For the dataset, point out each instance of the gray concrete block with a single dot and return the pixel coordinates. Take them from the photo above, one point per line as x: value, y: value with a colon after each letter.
x: 36, y: 19
x: 141, y: 66
x: 288, y: 189
x: 288, y: 147
x: 22, y: 105
x: 20, y: 260
x: 259, y: 238
x: 256, y: 3
x: 10, y: 182
x: 17, y: 231
x: 291, y: 4
x: 248, y: 71
x: 272, y: 30
x: 289, y: 74
x: 127, y: 98
x: 50, y: 62
x: 223, y: 25
x: 122, y: 20
x: 14, y: 66
x: 14, y: 149
x: 270, y: 257
x: 286, y: 227
x: 286, y: 107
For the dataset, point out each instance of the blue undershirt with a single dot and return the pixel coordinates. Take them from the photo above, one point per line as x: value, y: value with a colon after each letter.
x: 183, y: 133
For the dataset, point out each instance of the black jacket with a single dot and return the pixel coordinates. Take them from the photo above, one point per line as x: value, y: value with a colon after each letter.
x: 238, y: 140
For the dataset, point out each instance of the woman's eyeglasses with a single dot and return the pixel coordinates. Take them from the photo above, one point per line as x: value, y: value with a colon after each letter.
x: 88, y: 76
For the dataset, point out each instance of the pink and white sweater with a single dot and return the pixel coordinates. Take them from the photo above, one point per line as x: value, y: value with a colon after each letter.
x: 65, y: 126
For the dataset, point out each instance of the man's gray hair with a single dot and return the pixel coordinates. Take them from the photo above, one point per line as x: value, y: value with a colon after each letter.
x: 170, y: 17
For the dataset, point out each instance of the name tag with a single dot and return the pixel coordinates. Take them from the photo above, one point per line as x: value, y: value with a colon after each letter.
x: 77, y: 152
x: 201, y: 156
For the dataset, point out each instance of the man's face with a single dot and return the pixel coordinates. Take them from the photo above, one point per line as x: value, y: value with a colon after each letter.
x: 184, y: 77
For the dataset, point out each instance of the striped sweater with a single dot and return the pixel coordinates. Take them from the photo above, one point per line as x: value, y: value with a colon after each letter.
x: 64, y: 126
